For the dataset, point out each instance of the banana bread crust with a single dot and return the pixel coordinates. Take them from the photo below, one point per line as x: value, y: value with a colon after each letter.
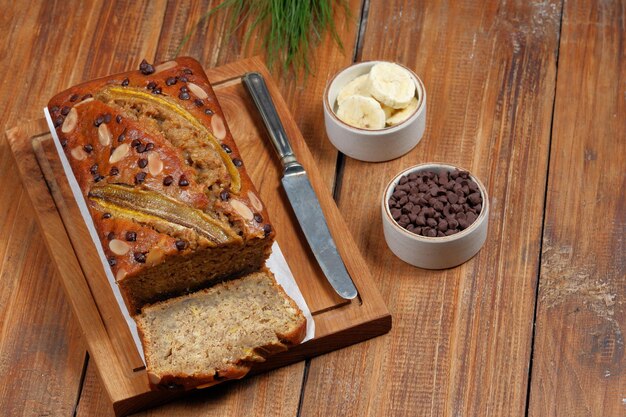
x: 127, y: 138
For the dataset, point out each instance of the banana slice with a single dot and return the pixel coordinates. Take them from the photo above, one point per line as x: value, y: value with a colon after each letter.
x: 401, y: 115
x: 391, y: 85
x: 363, y: 112
x: 389, y: 111
x: 357, y: 87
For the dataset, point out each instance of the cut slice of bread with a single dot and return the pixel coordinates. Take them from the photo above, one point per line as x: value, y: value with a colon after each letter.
x: 215, y: 334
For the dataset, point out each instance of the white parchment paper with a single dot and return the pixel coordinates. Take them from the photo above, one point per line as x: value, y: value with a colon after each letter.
x: 276, y: 262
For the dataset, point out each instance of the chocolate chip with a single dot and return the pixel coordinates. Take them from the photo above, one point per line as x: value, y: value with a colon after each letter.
x: 131, y: 236
x: 106, y: 216
x: 237, y: 162
x: 435, y: 204
x: 198, y: 102
x: 183, y: 181
x: 86, y: 96
x: 184, y: 89
x: 98, y: 178
x: 170, y: 81
x: 54, y: 109
x: 110, y: 236
x: 125, y: 82
x: 88, y: 148
x: 140, y: 177
x: 140, y: 257
x: 267, y: 229
x: 157, y: 90
x: 208, y: 111
x: 145, y: 68
x: 99, y: 120
x: 112, y: 261
x: 118, y: 118
x: 135, y: 143
x: 187, y: 71
x: 64, y: 142
x: 73, y: 97
x: 258, y: 218
x: 149, y: 146
x: 94, y: 169
x: 183, y: 96
x: 122, y: 136
x: 114, y: 171
x: 58, y: 121
x: 151, y: 85
x: 181, y: 244
x: 226, y: 148
x: 475, y: 198
x: 143, y: 162
x: 224, y: 195
x: 65, y: 110
x: 107, y: 117
x: 167, y: 181
x: 141, y: 148
x: 182, y: 79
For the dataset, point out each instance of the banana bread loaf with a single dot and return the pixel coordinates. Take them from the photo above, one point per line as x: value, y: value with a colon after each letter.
x: 216, y: 334
x: 163, y: 180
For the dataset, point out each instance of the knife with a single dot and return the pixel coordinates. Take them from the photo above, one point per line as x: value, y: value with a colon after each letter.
x: 303, y: 200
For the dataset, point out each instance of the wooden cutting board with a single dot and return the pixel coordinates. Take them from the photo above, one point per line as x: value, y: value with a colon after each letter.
x: 339, y: 322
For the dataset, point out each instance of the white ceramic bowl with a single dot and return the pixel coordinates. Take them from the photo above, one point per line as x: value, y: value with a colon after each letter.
x: 434, y: 252
x: 372, y: 145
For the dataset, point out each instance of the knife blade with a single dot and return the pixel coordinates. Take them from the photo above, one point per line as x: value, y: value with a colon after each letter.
x: 300, y: 193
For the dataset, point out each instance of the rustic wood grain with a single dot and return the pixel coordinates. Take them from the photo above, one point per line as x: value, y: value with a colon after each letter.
x: 579, y: 368
x: 212, y: 46
x: 41, y: 354
x: 270, y: 394
x: 46, y: 47
x: 461, y: 339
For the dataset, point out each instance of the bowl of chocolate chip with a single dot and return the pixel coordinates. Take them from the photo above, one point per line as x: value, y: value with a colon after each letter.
x: 435, y: 215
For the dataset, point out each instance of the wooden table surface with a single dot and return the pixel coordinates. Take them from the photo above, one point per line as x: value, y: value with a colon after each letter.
x: 530, y: 96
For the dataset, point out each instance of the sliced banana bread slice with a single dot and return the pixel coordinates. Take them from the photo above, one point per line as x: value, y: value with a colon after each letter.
x: 217, y: 333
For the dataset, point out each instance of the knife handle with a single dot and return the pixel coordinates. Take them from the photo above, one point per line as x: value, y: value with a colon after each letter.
x: 257, y: 88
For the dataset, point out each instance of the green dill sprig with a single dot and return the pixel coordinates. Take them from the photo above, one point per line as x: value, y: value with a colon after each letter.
x: 290, y: 28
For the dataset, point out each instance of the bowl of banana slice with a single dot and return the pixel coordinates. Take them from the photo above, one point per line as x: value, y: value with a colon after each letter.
x: 375, y: 111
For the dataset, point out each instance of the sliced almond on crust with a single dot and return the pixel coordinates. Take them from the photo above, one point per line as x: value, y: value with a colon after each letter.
x: 254, y: 200
x: 87, y: 100
x: 155, y: 165
x: 197, y: 91
x: 119, y: 153
x: 104, y: 135
x: 121, y: 274
x: 71, y: 120
x: 164, y: 66
x: 218, y: 127
x: 79, y: 153
x: 242, y: 209
x: 119, y: 247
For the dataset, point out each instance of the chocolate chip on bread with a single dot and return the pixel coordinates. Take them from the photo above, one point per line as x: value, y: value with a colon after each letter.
x: 163, y: 180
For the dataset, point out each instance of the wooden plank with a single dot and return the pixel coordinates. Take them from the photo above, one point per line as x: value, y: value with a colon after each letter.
x: 48, y: 46
x: 269, y: 394
x: 42, y: 354
x: 462, y: 337
x: 579, y: 364
x: 212, y: 46
x: 337, y: 325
